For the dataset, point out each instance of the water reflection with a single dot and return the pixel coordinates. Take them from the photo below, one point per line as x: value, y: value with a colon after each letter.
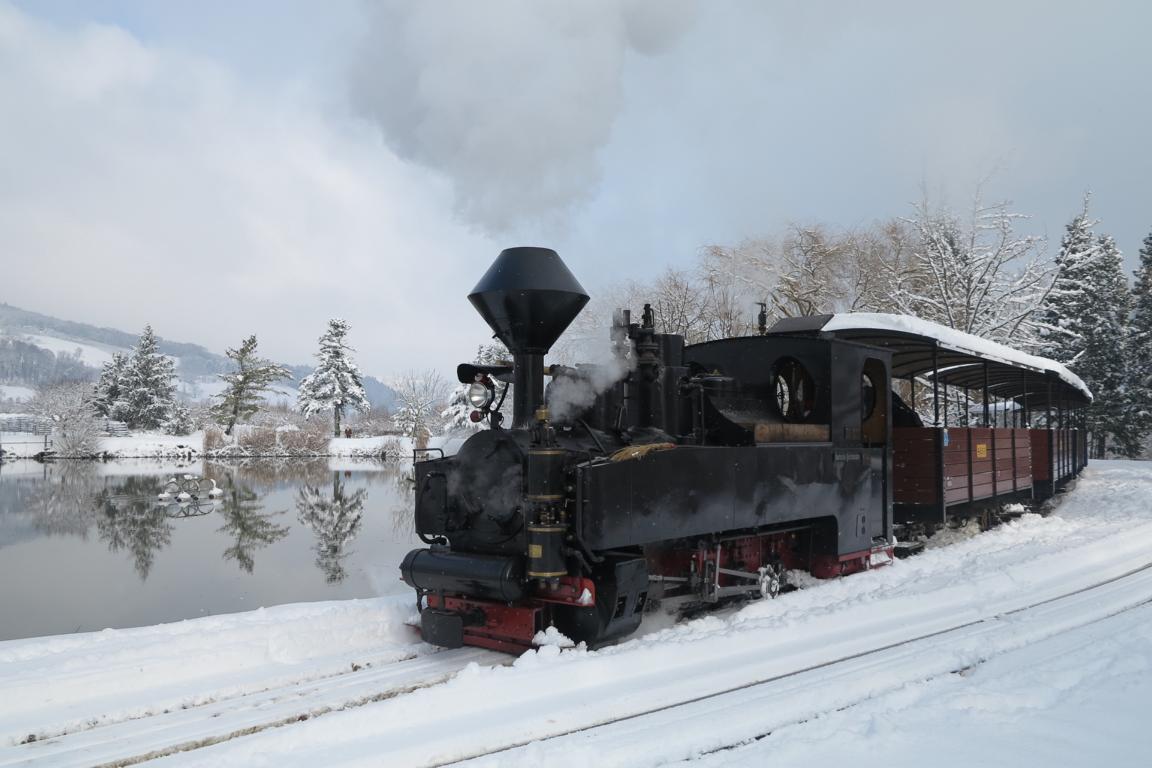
x: 62, y: 504
x: 248, y: 527
x: 335, y: 518
x: 89, y: 545
x: 129, y: 519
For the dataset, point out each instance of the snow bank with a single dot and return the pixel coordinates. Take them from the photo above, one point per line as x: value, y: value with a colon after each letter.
x: 1076, y: 699
x: 1101, y: 531
x: 153, y: 446
x: 55, y: 684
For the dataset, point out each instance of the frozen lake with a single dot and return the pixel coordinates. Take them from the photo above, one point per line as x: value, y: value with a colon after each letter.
x: 85, y: 545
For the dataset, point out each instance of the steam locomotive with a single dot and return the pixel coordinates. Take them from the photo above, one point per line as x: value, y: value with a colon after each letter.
x: 705, y: 471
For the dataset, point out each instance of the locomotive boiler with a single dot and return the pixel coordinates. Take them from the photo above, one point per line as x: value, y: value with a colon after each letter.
x: 704, y: 471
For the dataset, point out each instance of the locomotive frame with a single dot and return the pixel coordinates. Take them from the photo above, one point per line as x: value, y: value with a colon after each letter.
x: 707, y: 471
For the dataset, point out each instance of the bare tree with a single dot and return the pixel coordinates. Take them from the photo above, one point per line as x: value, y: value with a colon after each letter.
x: 421, y: 397
x: 730, y: 292
x: 76, y: 432
x: 976, y: 275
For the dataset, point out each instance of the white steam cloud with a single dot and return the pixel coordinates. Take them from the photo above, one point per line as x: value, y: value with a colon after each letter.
x: 511, y: 100
x: 603, y: 364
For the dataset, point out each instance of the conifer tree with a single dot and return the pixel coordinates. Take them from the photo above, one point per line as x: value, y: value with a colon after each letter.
x: 335, y: 383
x: 1085, y: 318
x: 1140, y: 343
x: 245, y: 385
x: 147, y: 387
x: 107, y: 397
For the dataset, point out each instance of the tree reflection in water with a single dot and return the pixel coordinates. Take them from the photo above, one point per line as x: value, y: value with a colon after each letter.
x: 62, y: 502
x: 128, y: 518
x: 335, y: 519
x: 247, y: 525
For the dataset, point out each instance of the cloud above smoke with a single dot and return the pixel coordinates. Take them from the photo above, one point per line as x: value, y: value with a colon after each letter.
x: 512, y: 101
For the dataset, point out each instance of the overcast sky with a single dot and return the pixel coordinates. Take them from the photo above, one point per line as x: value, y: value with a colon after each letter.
x: 221, y: 168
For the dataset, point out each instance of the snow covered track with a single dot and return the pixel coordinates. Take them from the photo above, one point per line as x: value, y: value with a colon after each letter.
x: 660, y: 714
x: 133, y: 741
x: 694, y: 688
x: 757, y: 709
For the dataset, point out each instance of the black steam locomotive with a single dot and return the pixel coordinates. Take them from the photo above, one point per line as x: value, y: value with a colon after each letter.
x: 704, y: 471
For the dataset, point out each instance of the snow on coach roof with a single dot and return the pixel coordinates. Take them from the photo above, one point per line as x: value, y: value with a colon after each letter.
x: 918, y: 346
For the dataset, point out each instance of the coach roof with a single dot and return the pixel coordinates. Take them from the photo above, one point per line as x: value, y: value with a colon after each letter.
x: 923, y: 348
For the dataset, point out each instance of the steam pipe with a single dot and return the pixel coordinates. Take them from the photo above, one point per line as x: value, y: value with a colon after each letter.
x: 527, y: 389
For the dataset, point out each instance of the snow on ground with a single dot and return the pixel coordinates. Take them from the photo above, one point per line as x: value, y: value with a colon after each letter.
x: 51, y: 685
x: 16, y: 393
x: 144, y: 445
x: 152, y: 445
x: 1079, y: 698
x: 1017, y: 708
x: 20, y: 444
x: 1097, y: 533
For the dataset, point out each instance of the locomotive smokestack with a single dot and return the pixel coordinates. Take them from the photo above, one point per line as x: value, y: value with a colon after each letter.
x: 528, y: 297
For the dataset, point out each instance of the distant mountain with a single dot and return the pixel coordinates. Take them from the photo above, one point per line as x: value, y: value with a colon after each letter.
x: 38, y: 349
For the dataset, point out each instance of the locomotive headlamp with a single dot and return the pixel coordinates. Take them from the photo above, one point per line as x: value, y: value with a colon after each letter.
x: 481, y: 393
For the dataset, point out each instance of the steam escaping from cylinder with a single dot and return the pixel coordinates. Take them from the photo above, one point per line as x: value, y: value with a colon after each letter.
x: 569, y: 396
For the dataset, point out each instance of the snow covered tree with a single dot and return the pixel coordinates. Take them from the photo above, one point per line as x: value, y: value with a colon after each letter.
x: 180, y: 421
x: 1140, y: 343
x: 75, y: 431
x: 147, y: 387
x: 244, y: 387
x: 335, y: 383
x: 976, y: 275
x: 1085, y: 324
x: 457, y: 416
x: 420, y: 397
x: 107, y: 396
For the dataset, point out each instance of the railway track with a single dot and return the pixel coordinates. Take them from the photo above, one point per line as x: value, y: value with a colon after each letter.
x: 756, y: 682
x: 129, y: 742
x: 754, y: 710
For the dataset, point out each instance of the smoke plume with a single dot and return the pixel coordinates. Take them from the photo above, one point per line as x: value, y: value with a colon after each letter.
x: 512, y: 100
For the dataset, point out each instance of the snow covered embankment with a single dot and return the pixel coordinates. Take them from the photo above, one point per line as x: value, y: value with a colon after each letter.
x: 1102, y: 531
x: 159, y: 446
x: 58, y: 684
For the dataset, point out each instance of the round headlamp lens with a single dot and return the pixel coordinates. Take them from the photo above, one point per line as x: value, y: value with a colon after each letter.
x: 480, y: 395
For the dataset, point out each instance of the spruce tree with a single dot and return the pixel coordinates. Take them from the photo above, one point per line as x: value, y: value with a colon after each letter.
x: 245, y: 385
x: 335, y: 382
x: 107, y: 397
x: 148, y: 387
x: 1085, y: 318
x: 1140, y: 343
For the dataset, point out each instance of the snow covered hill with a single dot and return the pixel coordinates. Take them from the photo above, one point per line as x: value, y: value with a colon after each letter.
x: 79, y: 350
x: 1028, y: 645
